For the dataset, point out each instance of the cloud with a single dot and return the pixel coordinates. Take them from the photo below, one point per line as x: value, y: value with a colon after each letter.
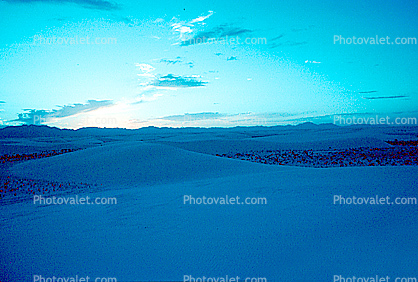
x: 294, y: 34
x: 288, y: 43
x: 384, y: 97
x: 145, y: 67
x: 173, y: 82
x: 91, y: 4
x: 177, y: 60
x: 201, y: 18
x: 217, y: 33
x: 168, y: 62
x: 232, y: 58
x: 2, y: 102
x: 312, y: 62
x: 33, y: 116
x: 183, y: 27
x: 218, y: 54
x: 126, y: 20
x: 147, y: 96
x: 300, y: 29
x: 367, y: 92
x: 277, y: 37
x: 145, y: 70
x: 276, y: 41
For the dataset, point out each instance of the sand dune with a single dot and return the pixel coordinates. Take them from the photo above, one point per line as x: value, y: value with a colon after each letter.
x: 133, y: 163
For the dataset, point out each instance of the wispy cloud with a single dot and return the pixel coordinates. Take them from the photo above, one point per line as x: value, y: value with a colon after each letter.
x: 33, y: 116
x: 177, y: 81
x: 201, y: 18
x: 173, y: 62
x: 385, y: 97
x: 149, y: 95
x: 312, y: 62
x: 176, y: 61
x: 217, y: 33
x: 277, y: 37
x: 293, y: 39
x: 126, y: 20
x: 145, y: 72
x: 367, y: 92
x: 288, y: 43
x: 186, y: 27
x: 300, y: 29
x: 91, y: 4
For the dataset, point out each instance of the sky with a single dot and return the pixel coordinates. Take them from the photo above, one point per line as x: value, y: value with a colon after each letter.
x: 132, y: 64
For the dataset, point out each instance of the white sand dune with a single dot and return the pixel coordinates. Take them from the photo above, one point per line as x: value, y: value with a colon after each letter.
x: 133, y: 163
x: 271, y: 143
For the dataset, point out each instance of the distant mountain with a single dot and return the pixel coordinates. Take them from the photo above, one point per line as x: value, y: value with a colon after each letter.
x: 96, y: 131
x: 25, y: 131
x: 33, y: 131
x: 311, y: 125
x: 306, y: 125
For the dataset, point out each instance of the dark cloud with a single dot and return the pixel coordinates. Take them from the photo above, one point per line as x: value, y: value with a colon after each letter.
x: 178, y: 60
x: 277, y: 37
x: 218, y: 54
x: 173, y: 81
x: 91, y: 4
x: 173, y: 62
x: 300, y: 29
x: 128, y: 21
x: 217, y: 33
x: 288, y: 43
x: 385, y: 97
x: 2, y: 102
x: 33, y: 116
x: 366, y: 92
x: 276, y: 42
x: 232, y: 58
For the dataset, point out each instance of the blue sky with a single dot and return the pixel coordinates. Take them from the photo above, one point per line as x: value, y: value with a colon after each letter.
x: 166, y: 63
